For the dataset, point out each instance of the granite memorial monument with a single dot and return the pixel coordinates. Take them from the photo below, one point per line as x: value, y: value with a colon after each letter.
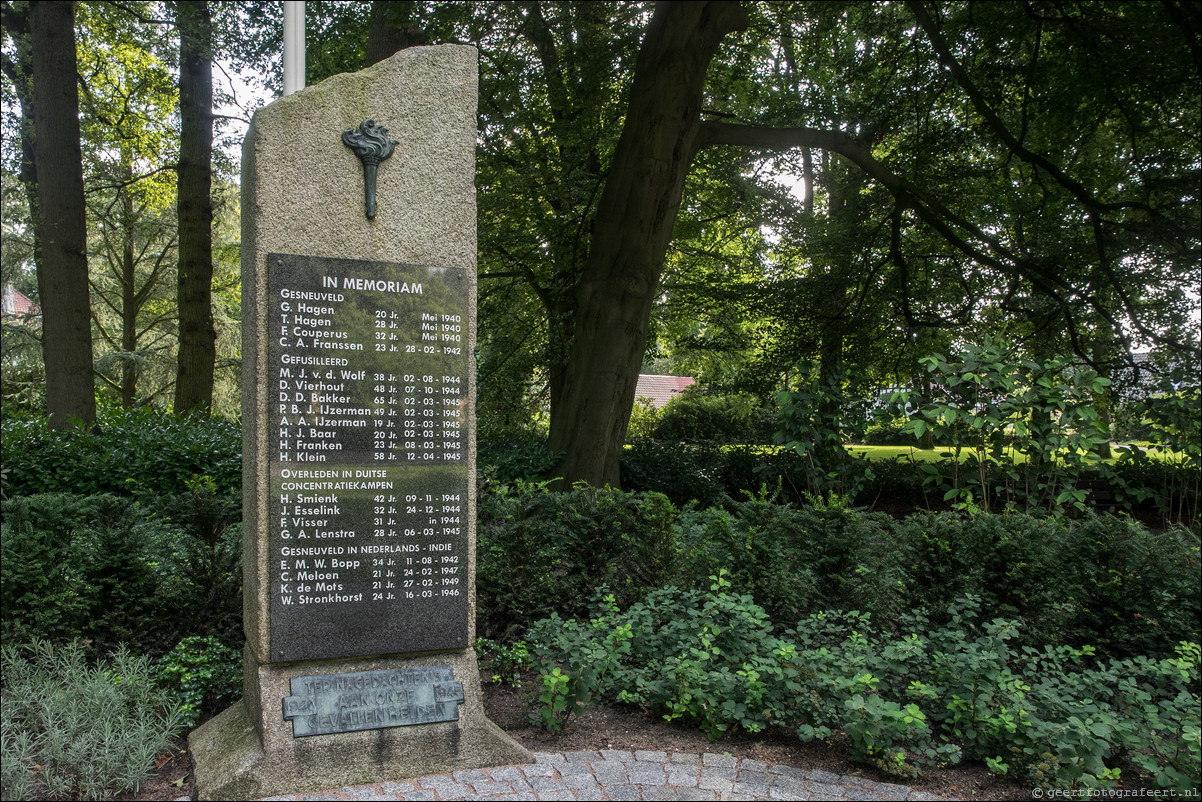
x: 358, y: 279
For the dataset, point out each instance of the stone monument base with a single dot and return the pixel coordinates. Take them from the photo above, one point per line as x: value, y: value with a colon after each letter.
x: 236, y: 757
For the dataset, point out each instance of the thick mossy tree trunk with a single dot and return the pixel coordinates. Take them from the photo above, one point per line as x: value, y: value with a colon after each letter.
x: 630, y: 236
x: 61, y: 217
x: 197, y: 335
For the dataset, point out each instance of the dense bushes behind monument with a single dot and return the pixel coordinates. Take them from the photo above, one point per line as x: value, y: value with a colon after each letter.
x: 145, y: 451
x: 144, y: 554
x: 127, y: 451
x: 1102, y: 581
x: 151, y: 571
x: 155, y: 564
x: 145, y: 571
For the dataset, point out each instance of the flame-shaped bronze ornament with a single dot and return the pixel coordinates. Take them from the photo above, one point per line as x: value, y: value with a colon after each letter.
x: 372, y: 145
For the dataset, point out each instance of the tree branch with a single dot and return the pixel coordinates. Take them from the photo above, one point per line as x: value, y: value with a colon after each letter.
x: 121, y: 184
x: 140, y: 17
x: 943, y: 50
x: 907, y: 194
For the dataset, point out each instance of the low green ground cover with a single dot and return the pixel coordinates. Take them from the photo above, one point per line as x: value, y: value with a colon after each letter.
x: 1053, y: 649
x: 909, y: 696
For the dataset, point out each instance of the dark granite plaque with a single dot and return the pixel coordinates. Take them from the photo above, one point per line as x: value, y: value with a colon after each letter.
x: 371, y: 700
x: 367, y: 428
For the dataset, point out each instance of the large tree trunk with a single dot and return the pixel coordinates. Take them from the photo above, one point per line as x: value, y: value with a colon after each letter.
x: 129, y: 301
x: 197, y: 336
x: 18, y: 69
x: 630, y: 236
x: 61, y: 218
x: 390, y: 30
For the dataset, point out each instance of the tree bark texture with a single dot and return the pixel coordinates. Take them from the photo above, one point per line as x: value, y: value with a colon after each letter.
x: 630, y: 236
x: 61, y: 218
x: 389, y: 31
x: 18, y: 70
x: 129, y: 302
x: 197, y: 335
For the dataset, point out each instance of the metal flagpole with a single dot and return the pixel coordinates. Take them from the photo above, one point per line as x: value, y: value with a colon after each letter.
x: 294, y: 46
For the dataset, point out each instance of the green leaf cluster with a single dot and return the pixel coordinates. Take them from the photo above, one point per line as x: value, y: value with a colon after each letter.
x: 563, y: 546
x: 1102, y: 580
x: 1033, y: 425
x: 815, y: 418
x: 128, y: 450
x: 115, y: 570
x: 577, y: 660
x: 1172, y: 421
x: 696, y: 417
x: 203, y: 673
x: 507, y: 662
x: 908, y: 697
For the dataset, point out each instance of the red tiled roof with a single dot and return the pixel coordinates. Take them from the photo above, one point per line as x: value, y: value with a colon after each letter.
x: 661, y: 389
x: 17, y: 304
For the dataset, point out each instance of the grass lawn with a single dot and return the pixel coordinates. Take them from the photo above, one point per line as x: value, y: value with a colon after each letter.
x: 878, y: 453
x: 882, y: 453
x: 936, y: 454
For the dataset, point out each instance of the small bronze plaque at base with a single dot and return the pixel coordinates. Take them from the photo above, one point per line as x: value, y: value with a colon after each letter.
x: 370, y: 700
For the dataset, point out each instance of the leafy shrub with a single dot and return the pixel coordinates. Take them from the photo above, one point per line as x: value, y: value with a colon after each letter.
x: 114, y: 569
x: 40, y: 570
x: 718, y: 661
x: 686, y: 474
x: 539, y: 551
x: 791, y: 559
x: 1100, y: 580
x: 71, y: 730
x: 815, y: 418
x: 907, y: 697
x: 128, y: 450
x: 200, y: 565
x: 507, y: 457
x: 1054, y: 714
x: 887, y: 431
x: 1173, y: 420
x: 709, y: 475
x: 505, y: 662
x: 589, y: 653
x: 896, y: 483
x: 714, y: 476
x: 74, y: 566
x: 204, y: 674
x: 693, y: 417
x: 992, y: 409
x: 644, y: 418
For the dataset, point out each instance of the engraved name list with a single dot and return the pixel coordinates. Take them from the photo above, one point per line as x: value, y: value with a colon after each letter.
x: 368, y: 388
